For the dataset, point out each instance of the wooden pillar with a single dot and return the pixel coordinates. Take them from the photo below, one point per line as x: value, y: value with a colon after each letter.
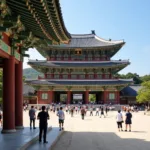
x: 18, y: 96
x: 68, y: 97
x: 118, y: 97
x: 51, y: 97
x: 86, y: 97
x: 9, y: 95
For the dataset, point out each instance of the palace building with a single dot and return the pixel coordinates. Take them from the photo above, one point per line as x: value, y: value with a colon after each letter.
x: 80, y: 68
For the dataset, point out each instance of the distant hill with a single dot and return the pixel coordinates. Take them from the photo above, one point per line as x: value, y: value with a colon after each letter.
x: 31, y: 73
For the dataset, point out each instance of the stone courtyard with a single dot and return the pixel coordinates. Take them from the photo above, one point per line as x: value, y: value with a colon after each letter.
x: 93, y: 133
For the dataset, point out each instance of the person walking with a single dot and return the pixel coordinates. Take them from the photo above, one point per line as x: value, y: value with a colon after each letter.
x: 32, y: 117
x: 102, y: 112
x: 97, y: 111
x: 43, y: 116
x: 61, y: 116
x: 91, y: 111
x: 83, y: 113
x: 119, y: 119
x: 128, y: 120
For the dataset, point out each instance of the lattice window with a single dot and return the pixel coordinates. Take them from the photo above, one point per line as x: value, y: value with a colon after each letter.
x: 44, y: 96
x: 111, y: 96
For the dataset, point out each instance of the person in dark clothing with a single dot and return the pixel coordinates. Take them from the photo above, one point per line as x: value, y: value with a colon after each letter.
x: 82, y: 113
x: 43, y: 116
x: 106, y: 110
x: 128, y: 121
x: 102, y: 112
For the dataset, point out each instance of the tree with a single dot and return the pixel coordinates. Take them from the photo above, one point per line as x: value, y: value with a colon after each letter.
x: 144, y: 93
x: 92, y: 97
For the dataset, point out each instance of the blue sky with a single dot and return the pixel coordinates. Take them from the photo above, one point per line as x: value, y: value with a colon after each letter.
x: 115, y: 19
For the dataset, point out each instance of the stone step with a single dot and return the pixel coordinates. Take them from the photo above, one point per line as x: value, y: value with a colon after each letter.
x: 52, y: 137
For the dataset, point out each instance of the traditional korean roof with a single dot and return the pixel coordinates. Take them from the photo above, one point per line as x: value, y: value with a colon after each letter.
x: 28, y: 90
x: 41, y: 17
x: 88, y: 41
x: 79, y: 63
x: 80, y: 82
x: 131, y: 90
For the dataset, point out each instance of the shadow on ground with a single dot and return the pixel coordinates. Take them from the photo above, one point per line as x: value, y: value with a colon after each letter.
x: 100, y: 141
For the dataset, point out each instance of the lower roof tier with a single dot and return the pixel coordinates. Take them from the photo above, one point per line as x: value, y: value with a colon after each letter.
x: 114, y: 82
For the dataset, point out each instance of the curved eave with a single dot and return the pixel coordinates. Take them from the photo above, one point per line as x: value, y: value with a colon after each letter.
x: 43, y: 18
x: 80, y: 82
x: 112, y: 49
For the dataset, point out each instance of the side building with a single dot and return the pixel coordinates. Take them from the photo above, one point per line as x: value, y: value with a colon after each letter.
x: 84, y: 67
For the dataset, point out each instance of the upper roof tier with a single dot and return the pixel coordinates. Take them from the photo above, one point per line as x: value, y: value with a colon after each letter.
x: 88, y: 41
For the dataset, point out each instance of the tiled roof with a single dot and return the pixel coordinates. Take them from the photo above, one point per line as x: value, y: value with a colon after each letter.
x: 28, y: 90
x: 81, y: 82
x: 131, y: 90
x: 88, y: 40
x: 79, y: 64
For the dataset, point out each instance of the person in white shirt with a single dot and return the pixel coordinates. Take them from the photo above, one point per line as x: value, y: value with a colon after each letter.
x: 119, y: 118
x: 97, y: 111
x: 61, y: 116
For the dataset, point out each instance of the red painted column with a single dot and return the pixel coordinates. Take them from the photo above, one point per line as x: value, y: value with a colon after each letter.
x: 118, y: 97
x: 86, y: 97
x: 18, y: 96
x: 39, y: 96
x: 9, y: 95
x: 51, y: 97
x: 68, y: 97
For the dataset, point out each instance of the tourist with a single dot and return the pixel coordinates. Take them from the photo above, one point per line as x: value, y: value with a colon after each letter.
x: 91, y: 111
x: 32, y: 117
x: 97, y: 111
x: 83, y: 113
x: 72, y: 111
x: 102, y: 112
x: 128, y: 121
x: 106, y: 110
x: 61, y: 116
x: 0, y: 117
x: 119, y: 118
x: 43, y: 116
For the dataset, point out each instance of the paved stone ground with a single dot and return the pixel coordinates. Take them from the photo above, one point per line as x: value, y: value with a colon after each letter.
x: 96, y: 133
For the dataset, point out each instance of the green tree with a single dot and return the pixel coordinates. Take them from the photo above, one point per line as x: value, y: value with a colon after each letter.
x: 145, y: 78
x: 144, y: 93
x: 92, y: 97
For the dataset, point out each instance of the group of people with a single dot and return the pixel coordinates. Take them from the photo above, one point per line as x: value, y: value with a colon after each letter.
x: 128, y: 120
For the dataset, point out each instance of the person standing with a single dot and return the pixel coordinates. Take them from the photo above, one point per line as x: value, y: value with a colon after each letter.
x: 61, y: 116
x: 106, y: 110
x: 128, y: 120
x: 43, y: 116
x: 83, y: 113
x: 32, y: 117
x: 119, y: 118
x: 102, y: 112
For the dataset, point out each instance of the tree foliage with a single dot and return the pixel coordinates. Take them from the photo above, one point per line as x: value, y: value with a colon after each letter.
x: 92, y: 97
x: 144, y: 93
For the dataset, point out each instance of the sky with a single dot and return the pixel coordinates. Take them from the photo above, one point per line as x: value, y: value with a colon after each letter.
x: 111, y: 19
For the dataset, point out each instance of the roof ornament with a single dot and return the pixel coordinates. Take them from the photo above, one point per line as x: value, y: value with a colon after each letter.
x: 93, y: 32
